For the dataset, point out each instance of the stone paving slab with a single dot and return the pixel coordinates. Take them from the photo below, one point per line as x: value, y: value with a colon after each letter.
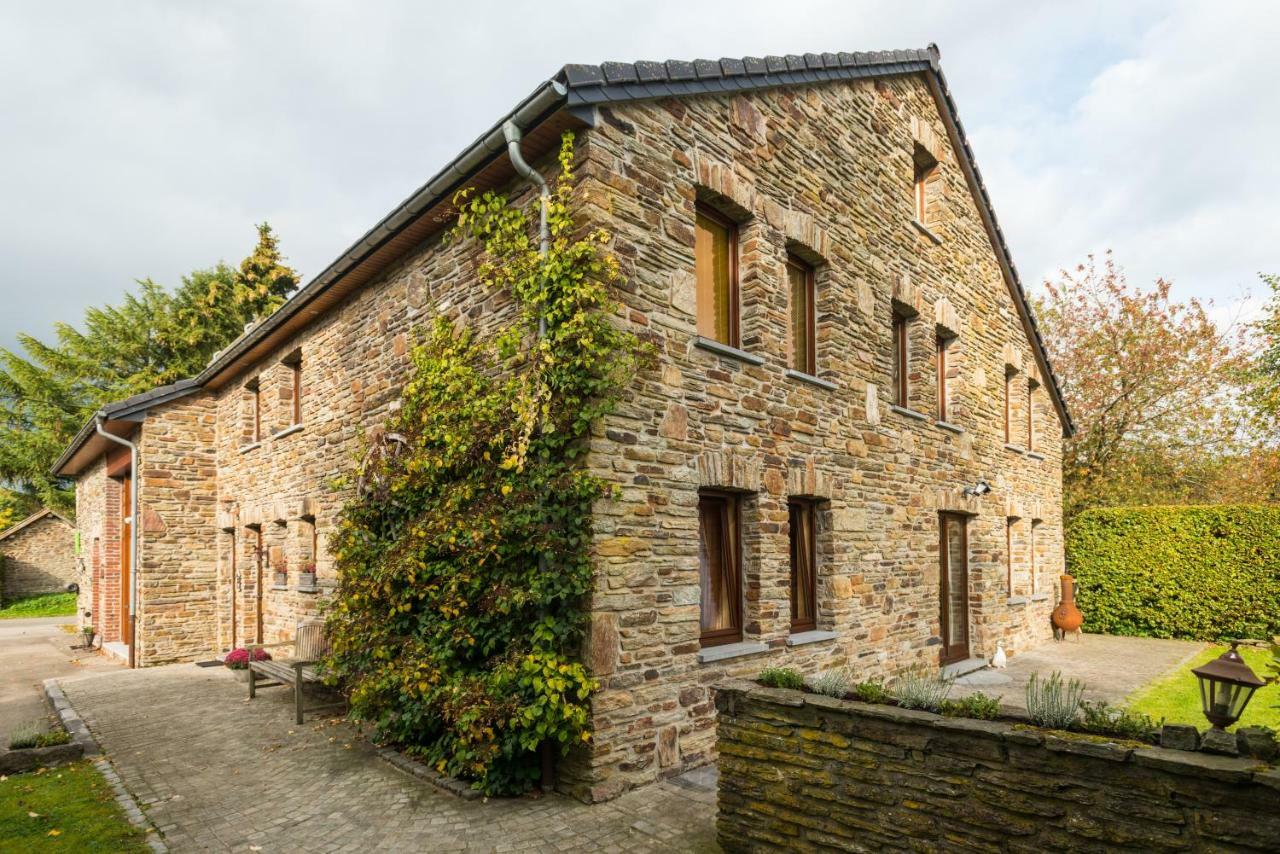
x: 214, y: 771
x: 1111, y: 667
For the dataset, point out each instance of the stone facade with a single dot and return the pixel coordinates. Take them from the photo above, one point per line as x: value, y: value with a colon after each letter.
x: 804, y: 772
x: 239, y: 493
x: 37, y: 556
x: 825, y: 172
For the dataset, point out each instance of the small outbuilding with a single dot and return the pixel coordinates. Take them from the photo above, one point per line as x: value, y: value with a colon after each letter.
x: 37, y: 556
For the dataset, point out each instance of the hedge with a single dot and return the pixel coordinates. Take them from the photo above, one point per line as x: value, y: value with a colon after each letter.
x: 1202, y: 573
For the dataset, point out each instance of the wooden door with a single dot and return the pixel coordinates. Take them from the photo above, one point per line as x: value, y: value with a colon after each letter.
x: 126, y: 551
x: 235, y: 589
x: 258, y: 557
x: 954, y: 599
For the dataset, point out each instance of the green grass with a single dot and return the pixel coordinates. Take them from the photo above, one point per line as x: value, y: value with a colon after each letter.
x: 64, y: 809
x: 1176, y: 697
x: 46, y: 605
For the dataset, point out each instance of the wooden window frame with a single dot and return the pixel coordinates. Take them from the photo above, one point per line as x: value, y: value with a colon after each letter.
x: 923, y: 165
x: 943, y: 343
x: 1008, y: 406
x: 254, y: 387
x: 944, y: 567
x: 1031, y: 556
x: 735, y: 319
x: 901, y: 374
x: 731, y: 512
x: 806, y: 362
x: 1031, y: 415
x: 807, y: 509
x: 1009, y: 522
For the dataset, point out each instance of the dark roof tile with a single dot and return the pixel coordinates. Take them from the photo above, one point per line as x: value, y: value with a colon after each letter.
x: 583, y: 75
x: 733, y: 67
x: 678, y: 69
x: 619, y: 72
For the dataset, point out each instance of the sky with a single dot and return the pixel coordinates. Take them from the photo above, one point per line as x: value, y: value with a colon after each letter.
x: 146, y: 139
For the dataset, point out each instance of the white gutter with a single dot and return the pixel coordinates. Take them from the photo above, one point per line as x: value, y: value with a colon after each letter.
x: 133, y: 534
x: 511, y: 132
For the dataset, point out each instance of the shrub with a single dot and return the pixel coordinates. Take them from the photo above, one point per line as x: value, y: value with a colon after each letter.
x: 1202, y: 573
x: 238, y: 658
x: 781, y: 677
x: 1050, y: 703
x: 871, y: 691
x: 978, y: 706
x: 463, y: 549
x: 1102, y: 718
x: 833, y: 683
x: 922, y: 688
x: 33, y: 735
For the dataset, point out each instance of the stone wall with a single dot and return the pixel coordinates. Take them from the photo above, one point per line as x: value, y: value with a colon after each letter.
x: 825, y: 173
x: 98, y: 520
x: 803, y: 772
x: 40, y: 558
x: 177, y: 558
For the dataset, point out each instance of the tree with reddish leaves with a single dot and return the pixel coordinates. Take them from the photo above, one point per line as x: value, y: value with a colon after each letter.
x: 1153, y: 384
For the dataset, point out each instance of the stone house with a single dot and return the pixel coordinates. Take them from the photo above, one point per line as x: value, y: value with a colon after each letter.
x: 847, y: 454
x: 37, y: 555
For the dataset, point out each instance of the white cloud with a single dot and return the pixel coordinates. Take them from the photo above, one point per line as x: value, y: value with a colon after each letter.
x: 145, y: 140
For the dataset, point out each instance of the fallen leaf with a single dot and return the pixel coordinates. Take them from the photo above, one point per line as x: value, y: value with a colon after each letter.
x: 34, y: 814
x: 55, y: 832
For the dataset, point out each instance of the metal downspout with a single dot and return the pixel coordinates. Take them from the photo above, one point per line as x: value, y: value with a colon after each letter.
x: 133, y: 535
x: 511, y: 131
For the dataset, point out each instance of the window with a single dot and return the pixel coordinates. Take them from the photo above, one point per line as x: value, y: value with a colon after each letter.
x: 901, y: 364
x: 716, y: 267
x: 294, y: 363
x: 255, y: 410
x: 719, y: 571
x: 925, y: 165
x: 1031, y: 556
x: 1008, y: 552
x: 1008, y: 406
x: 942, y: 344
x: 803, y: 348
x: 954, y: 587
x: 1031, y: 416
x: 804, y: 565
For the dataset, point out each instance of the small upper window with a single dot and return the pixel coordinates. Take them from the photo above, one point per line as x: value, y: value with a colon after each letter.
x: 803, y: 348
x: 294, y: 362
x: 1008, y: 405
x: 1031, y: 415
x: 943, y: 392
x: 925, y: 166
x: 716, y: 268
x: 254, y: 390
x: 901, y: 358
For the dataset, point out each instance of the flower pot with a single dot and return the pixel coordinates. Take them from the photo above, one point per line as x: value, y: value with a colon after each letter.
x: 306, y: 581
x: 1067, y: 616
x: 282, y: 579
x: 242, y: 674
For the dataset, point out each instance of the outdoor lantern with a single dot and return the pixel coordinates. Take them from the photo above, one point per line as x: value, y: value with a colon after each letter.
x: 1226, y: 686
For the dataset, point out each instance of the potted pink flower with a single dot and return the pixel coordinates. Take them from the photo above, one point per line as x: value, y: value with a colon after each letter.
x: 237, y: 661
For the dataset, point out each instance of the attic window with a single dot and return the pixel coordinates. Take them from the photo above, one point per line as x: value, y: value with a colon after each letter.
x: 253, y: 391
x: 926, y: 166
x: 293, y: 362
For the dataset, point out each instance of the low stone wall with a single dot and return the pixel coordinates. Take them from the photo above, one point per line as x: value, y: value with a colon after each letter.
x: 804, y: 772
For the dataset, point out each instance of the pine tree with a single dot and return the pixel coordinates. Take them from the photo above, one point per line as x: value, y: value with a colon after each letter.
x: 153, y: 337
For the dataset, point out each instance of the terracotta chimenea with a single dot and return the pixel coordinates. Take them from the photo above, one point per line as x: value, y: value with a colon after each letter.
x: 1067, y: 617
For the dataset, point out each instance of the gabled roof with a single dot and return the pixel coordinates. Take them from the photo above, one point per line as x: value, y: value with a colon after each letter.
x: 31, y: 520
x: 119, y: 418
x: 568, y: 100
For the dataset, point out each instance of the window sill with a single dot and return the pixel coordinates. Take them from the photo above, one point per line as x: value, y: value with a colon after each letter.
x: 812, y: 380
x: 815, y: 636
x: 253, y: 446
x: 949, y: 427
x: 1035, y: 455
x: 1017, y: 449
x: 279, y: 587
x: 1017, y: 600
x: 288, y: 431
x: 910, y: 413
x: 924, y: 229
x: 308, y: 589
x: 1039, y: 597
x: 724, y: 652
x: 726, y: 350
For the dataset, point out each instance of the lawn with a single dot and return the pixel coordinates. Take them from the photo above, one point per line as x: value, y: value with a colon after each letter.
x: 64, y: 809
x: 1176, y: 697
x: 46, y: 605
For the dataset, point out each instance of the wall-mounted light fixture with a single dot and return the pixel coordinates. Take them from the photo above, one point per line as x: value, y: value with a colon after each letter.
x: 978, y: 490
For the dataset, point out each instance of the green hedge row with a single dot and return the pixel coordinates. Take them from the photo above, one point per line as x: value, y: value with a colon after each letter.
x: 1203, y: 573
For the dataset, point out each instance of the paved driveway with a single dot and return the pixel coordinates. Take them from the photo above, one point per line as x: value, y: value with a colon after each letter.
x: 215, y: 772
x: 32, y: 651
x: 1111, y: 667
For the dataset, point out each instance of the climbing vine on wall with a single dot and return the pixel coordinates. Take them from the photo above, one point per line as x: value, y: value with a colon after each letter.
x: 464, y: 558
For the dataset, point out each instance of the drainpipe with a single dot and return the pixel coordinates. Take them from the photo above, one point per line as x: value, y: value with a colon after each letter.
x: 133, y: 535
x: 513, y: 135
x: 511, y: 132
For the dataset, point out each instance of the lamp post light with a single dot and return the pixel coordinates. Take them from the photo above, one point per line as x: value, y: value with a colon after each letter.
x: 1226, y: 686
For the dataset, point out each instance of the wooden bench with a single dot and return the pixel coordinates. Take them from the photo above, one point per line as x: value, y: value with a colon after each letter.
x: 309, y: 646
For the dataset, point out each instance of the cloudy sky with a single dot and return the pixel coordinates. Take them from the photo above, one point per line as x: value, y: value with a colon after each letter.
x: 145, y: 139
